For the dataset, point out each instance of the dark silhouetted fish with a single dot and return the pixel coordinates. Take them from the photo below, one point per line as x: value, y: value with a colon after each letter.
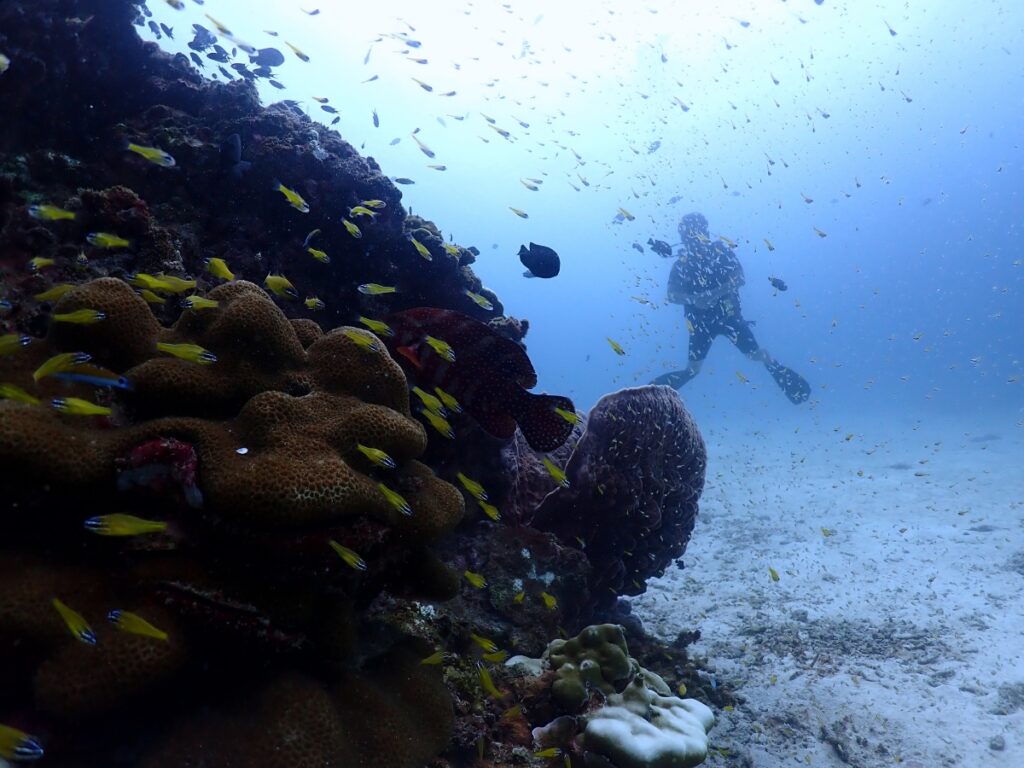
x: 218, y: 55
x: 778, y: 284
x: 203, y: 39
x: 169, y: 31
x: 196, y: 60
x: 638, y: 248
x: 267, y: 57
x: 660, y: 247
x: 489, y: 377
x: 231, y: 156
x: 540, y: 260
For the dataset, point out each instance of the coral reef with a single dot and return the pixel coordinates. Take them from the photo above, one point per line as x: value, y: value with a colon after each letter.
x: 243, y: 564
x: 635, y: 478
x: 288, y: 530
x: 612, y: 711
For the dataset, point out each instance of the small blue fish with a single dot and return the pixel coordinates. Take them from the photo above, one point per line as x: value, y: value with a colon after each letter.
x: 86, y: 373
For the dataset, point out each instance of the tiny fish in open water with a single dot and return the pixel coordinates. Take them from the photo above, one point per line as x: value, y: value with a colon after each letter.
x: 280, y: 286
x: 294, y: 198
x: 363, y: 339
x: 74, y: 406
x: 135, y: 625
x: 123, y: 525
x: 443, y: 348
x: 377, y: 456
x: 44, y: 212
x: 191, y: 352
x: 16, y: 393
x: 60, y: 362
x: 438, y: 422
x: 350, y: 557
x: 218, y: 268
x: 13, y: 342
x: 379, y: 327
x: 75, y: 622
x: 375, y: 289
x: 475, y: 489
x: 155, y: 155
x: 106, y: 240
x: 556, y: 472
x: 199, y: 302
x: 16, y: 745
x: 40, y: 262
x: 54, y: 293
x: 395, y: 499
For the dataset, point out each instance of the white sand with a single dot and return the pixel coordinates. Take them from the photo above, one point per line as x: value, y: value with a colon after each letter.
x: 891, y: 637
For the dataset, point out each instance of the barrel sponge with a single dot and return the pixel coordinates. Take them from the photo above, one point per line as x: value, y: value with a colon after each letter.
x: 596, y: 658
x: 124, y: 338
x: 641, y: 728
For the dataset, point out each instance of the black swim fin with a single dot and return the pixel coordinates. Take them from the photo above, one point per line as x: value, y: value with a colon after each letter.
x: 792, y: 384
x: 674, y: 379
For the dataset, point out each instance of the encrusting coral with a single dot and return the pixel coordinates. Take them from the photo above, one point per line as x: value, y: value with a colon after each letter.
x: 612, y: 711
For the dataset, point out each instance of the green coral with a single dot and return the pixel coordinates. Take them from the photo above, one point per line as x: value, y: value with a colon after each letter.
x: 596, y: 658
x: 638, y: 723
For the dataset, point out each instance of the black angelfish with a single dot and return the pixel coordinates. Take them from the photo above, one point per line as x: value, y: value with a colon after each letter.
x: 231, y: 156
x: 778, y: 284
x: 267, y: 57
x: 660, y: 247
x: 539, y: 260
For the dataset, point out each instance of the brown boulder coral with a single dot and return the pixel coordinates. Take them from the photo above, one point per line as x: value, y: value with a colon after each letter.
x: 251, y: 466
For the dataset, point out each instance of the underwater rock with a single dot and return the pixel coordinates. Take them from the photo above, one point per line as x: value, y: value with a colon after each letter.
x: 635, y: 478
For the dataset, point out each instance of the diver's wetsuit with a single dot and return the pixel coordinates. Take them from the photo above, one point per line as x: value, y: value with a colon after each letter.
x: 706, y: 280
x: 712, y: 269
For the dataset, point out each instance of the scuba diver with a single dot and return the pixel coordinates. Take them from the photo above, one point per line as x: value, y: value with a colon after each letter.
x: 706, y: 279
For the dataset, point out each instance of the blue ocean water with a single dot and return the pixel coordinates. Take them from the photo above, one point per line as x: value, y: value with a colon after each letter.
x: 899, y: 121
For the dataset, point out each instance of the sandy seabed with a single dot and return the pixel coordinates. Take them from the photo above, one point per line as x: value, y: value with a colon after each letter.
x: 894, y: 634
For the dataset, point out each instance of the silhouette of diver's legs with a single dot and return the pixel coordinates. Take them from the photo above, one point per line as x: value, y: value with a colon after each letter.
x: 792, y: 384
x: 677, y: 379
x: 699, y: 345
